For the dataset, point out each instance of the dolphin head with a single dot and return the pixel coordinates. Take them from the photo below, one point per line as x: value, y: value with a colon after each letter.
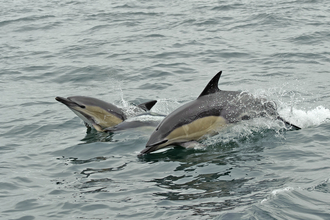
x: 189, y: 122
x: 174, y: 129
x: 157, y: 140
x: 94, y: 112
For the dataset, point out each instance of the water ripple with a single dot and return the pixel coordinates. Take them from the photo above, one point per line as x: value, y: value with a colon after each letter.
x: 129, y: 52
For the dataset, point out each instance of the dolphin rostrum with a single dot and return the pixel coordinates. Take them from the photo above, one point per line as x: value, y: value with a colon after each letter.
x: 213, y: 110
x: 97, y: 113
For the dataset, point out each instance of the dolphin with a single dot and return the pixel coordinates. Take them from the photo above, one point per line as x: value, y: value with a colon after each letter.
x: 97, y: 113
x: 212, y: 111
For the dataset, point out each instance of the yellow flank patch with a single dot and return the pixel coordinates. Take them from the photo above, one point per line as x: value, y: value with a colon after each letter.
x: 196, y: 129
x: 103, y: 119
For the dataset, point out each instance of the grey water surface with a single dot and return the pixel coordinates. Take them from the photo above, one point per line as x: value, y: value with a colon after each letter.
x: 128, y: 52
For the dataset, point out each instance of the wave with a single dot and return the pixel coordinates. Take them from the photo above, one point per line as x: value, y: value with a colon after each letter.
x: 307, y: 118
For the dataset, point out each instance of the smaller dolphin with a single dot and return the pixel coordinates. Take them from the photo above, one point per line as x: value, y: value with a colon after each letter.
x: 97, y: 113
x: 213, y: 110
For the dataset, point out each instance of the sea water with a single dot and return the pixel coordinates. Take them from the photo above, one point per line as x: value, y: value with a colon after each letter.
x: 129, y: 52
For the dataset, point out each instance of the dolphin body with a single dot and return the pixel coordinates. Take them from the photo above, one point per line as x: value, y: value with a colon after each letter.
x: 213, y: 110
x: 153, y: 119
x: 97, y: 113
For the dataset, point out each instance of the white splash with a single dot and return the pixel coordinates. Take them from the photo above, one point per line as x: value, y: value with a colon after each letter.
x: 275, y: 192
x: 165, y: 106
x: 278, y: 191
x: 146, y: 117
x: 306, y: 118
x: 289, y: 104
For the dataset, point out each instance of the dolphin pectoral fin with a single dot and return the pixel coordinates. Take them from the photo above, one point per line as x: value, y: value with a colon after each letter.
x: 212, y: 86
x: 288, y: 124
x: 192, y: 144
x: 146, y: 106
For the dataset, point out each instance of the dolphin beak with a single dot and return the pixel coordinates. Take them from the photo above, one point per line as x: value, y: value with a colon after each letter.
x: 68, y: 102
x: 61, y: 99
x: 153, y: 147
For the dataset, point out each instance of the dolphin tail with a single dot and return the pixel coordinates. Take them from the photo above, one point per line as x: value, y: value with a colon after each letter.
x: 146, y: 106
x: 288, y: 124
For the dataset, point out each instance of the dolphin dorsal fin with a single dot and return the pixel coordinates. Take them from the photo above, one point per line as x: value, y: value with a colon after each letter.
x: 147, y: 105
x: 212, y: 86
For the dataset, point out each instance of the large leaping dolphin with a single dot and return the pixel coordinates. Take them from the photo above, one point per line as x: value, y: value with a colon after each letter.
x: 208, y: 114
x: 97, y: 113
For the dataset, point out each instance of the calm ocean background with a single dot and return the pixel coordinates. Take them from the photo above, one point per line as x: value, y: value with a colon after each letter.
x: 127, y: 52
